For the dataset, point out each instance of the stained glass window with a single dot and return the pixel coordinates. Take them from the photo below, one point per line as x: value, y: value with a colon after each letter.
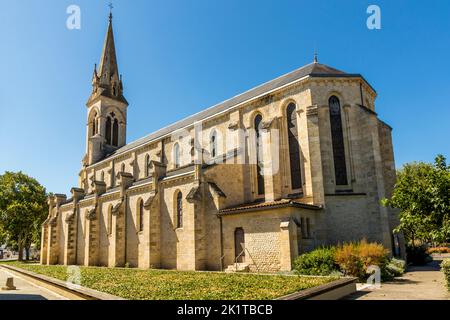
x: 294, y: 147
x: 337, y: 135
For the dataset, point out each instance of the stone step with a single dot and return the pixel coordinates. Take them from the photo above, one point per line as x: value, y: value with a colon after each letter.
x: 238, y: 267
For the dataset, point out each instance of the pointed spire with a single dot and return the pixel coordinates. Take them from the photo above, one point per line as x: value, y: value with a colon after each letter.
x: 108, y: 63
x: 106, y: 79
x: 315, y: 56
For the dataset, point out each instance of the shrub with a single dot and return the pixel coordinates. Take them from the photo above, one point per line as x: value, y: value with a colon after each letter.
x: 355, y: 258
x: 318, y: 262
x: 438, y: 250
x: 445, y: 265
x: 348, y: 260
x: 394, y: 268
x: 417, y: 255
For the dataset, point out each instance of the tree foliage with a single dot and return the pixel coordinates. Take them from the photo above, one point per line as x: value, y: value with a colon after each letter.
x: 23, y: 208
x: 422, y: 193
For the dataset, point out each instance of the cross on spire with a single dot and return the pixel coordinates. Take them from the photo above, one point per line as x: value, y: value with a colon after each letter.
x: 111, y: 7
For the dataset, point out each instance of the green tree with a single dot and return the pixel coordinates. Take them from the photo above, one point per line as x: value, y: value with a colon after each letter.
x: 23, y: 208
x: 422, y: 193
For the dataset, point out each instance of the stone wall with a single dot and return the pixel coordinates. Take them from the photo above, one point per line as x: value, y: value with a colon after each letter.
x: 114, y: 187
x: 268, y: 248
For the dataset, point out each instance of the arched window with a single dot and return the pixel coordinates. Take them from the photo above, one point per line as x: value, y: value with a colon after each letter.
x: 122, y: 167
x: 108, y: 130
x: 115, y: 133
x: 337, y: 137
x: 94, y: 124
x: 114, y: 89
x: 213, y: 144
x: 140, y: 215
x: 179, y: 209
x: 102, y: 176
x: 147, y: 165
x: 259, y: 176
x: 176, y: 155
x: 110, y: 220
x: 294, y: 147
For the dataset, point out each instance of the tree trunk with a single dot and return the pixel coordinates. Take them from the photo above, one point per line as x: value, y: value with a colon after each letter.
x: 20, y: 250
x: 27, y: 252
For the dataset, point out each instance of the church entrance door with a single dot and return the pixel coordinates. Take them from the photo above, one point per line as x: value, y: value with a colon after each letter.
x: 239, y: 245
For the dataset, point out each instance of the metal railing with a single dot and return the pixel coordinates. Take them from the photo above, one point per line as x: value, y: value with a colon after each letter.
x: 240, y: 254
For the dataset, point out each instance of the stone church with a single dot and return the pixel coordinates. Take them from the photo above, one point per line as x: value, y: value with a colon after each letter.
x: 296, y: 163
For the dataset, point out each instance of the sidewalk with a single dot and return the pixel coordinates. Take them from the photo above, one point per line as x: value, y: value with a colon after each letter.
x: 418, y: 283
x: 25, y: 290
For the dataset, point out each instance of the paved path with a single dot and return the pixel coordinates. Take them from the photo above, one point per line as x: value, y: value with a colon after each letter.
x: 419, y: 283
x: 25, y: 289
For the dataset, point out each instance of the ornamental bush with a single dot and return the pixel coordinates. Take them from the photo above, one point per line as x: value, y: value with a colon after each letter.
x: 355, y: 258
x: 394, y: 268
x: 438, y: 250
x: 350, y: 259
x: 318, y: 262
x: 445, y: 265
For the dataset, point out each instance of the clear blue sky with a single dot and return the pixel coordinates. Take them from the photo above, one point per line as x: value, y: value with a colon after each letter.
x: 179, y: 57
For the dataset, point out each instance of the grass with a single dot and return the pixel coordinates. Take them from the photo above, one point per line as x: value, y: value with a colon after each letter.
x: 138, y: 284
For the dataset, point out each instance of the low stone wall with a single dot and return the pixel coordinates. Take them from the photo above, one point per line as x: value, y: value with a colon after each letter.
x: 330, y: 291
x: 65, y: 289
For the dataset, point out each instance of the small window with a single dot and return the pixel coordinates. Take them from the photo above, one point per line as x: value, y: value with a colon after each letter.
x: 179, y: 209
x: 102, y: 176
x: 94, y: 126
x: 213, y: 144
x: 108, y: 130
x: 115, y: 133
x: 147, y: 165
x: 308, y: 228
x: 110, y: 220
x: 140, y: 215
x: 259, y: 168
x: 176, y: 155
x: 122, y: 168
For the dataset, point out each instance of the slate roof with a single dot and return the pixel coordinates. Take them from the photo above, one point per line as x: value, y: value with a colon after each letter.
x: 311, y: 70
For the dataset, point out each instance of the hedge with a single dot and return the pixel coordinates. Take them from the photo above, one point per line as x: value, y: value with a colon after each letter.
x: 445, y: 265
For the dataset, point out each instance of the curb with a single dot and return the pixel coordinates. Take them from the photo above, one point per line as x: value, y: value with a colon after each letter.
x: 330, y: 291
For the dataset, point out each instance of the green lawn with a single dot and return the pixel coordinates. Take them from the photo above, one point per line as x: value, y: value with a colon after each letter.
x: 176, y: 285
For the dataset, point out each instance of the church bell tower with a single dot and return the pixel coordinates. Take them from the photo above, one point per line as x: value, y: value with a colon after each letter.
x: 107, y: 107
